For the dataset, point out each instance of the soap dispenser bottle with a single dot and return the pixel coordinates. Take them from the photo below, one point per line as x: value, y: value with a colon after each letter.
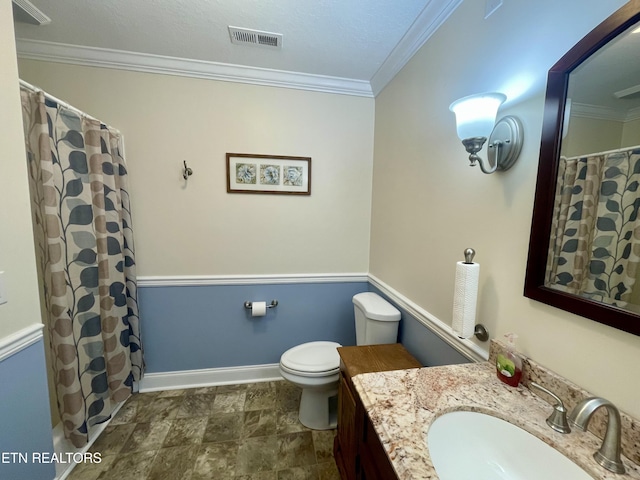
x: 509, y: 364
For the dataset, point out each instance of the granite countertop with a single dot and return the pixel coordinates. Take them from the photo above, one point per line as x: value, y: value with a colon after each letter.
x: 402, y: 404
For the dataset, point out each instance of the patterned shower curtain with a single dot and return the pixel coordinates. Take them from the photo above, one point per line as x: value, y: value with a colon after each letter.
x: 85, y: 256
x: 595, y: 240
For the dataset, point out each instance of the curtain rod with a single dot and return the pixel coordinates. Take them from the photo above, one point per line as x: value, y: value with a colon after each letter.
x: 617, y: 150
x: 33, y: 88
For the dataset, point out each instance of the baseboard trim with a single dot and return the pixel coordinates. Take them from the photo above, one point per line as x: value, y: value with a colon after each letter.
x: 466, y: 347
x: 20, y: 340
x: 207, y: 280
x: 152, y: 382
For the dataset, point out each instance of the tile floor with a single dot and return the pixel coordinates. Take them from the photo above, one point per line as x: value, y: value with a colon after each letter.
x: 234, y: 432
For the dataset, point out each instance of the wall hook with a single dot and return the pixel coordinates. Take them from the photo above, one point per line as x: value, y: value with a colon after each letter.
x: 187, y: 171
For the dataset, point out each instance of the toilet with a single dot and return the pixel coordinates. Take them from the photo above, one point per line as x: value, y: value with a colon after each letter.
x: 315, y: 366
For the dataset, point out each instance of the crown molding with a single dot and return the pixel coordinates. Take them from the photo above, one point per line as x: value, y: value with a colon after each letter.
x: 434, y: 14
x: 148, y: 63
x: 604, y: 113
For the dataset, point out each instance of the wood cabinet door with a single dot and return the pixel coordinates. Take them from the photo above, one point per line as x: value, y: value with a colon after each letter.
x: 374, y: 463
x: 347, y: 433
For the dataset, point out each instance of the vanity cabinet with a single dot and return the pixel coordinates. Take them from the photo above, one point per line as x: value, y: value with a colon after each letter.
x: 357, y: 448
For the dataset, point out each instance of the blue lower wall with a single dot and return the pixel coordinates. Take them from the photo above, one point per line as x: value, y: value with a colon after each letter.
x: 197, y: 327
x: 428, y: 348
x: 25, y: 421
x: 200, y: 327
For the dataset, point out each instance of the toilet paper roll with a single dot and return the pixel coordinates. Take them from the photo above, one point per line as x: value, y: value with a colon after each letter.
x: 465, y: 298
x: 258, y: 309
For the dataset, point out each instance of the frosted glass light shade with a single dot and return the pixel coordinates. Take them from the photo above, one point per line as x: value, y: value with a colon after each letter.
x: 476, y: 114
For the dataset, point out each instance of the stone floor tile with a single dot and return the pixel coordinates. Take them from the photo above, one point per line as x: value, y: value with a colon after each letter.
x: 260, y: 396
x: 287, y: 397
x: 215, y: 460
x: 308, y: 472
x: 228, y: 402
x: 126, y: 414
x: 171, y: 393
x: 328, y: 471
x: 158, y: 409
x: 231, y: 432
x: 186, y: 431
x: 257, y: 455
x: 259, y: 423
x: 91, y: 471
x: 201, y: 391
x: 294, y: 450
x: 130, y: 466
x: 146, y: 398
x: 223, y: 427
x: 323, y: 444
x: 147, y: 436
x: 242, y: 387
x: 173, y: 463
x: 112, y: 439
x: 196, y: 405
x: 288, y: 422
x: 271, y: 475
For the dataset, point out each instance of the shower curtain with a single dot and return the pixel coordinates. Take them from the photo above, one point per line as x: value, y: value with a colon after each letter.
x: 595, y: 238
x: 85, y: 256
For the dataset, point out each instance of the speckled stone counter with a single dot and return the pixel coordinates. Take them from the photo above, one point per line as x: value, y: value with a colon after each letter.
x: 403, y: 403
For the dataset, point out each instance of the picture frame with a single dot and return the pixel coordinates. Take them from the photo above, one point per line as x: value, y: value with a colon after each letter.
x: 268, y: 174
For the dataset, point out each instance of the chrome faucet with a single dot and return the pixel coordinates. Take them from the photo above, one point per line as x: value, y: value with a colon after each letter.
x: 609, y: 454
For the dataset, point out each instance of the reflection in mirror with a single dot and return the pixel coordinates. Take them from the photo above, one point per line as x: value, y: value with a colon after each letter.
x: 594, y: 249
x: 584, y: 251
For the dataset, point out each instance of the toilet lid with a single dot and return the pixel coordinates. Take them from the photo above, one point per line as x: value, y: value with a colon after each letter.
x: 312, y: 357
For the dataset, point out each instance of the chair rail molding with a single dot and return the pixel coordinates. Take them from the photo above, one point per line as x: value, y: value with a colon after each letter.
x: 464, y: 346
x: 20, y: 340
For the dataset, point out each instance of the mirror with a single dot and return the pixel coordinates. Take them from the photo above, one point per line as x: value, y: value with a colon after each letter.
x: 584, y: 250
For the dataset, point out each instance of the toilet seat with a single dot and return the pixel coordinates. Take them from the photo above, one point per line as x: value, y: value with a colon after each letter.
x: 312, y: 359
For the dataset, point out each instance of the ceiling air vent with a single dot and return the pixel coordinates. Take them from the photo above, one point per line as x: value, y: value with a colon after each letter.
x: 26, y: 12
x: 245, y: 36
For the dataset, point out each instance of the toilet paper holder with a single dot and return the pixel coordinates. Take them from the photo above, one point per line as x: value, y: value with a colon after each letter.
x: 248, y: 305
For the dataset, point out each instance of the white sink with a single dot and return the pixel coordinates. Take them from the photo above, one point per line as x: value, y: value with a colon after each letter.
x: 471, y: 445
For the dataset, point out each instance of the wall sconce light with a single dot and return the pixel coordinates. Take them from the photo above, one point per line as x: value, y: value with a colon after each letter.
x: 476, y: 122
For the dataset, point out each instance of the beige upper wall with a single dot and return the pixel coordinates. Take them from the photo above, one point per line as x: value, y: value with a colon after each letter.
x: 196, y: 228
x: 429, y: 205
x: 631, y: 133
x: 17, y: 258
x: 589, y: 135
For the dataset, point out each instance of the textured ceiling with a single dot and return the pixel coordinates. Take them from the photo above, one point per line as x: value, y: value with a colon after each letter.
x: 613, y: 68
x: 339, y: 38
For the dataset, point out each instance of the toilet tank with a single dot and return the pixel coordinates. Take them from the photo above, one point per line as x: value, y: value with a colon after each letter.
x: 376, y: 319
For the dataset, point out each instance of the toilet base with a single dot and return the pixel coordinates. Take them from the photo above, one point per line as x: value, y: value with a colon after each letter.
x: 319, y: 408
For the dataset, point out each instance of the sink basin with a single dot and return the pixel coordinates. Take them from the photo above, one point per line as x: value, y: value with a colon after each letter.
x: 465, y: 445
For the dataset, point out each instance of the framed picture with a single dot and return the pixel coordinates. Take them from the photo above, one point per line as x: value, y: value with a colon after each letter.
x: 247, y: 173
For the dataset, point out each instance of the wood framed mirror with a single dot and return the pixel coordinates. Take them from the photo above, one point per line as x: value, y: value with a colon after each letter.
x: 585, y: 234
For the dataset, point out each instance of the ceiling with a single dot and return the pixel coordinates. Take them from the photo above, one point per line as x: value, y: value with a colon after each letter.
x: 607, y: 84
x: 350, y: 46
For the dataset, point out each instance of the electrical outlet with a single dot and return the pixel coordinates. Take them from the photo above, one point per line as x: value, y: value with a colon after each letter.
x: 491, y: 6
x: 3, y: 290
